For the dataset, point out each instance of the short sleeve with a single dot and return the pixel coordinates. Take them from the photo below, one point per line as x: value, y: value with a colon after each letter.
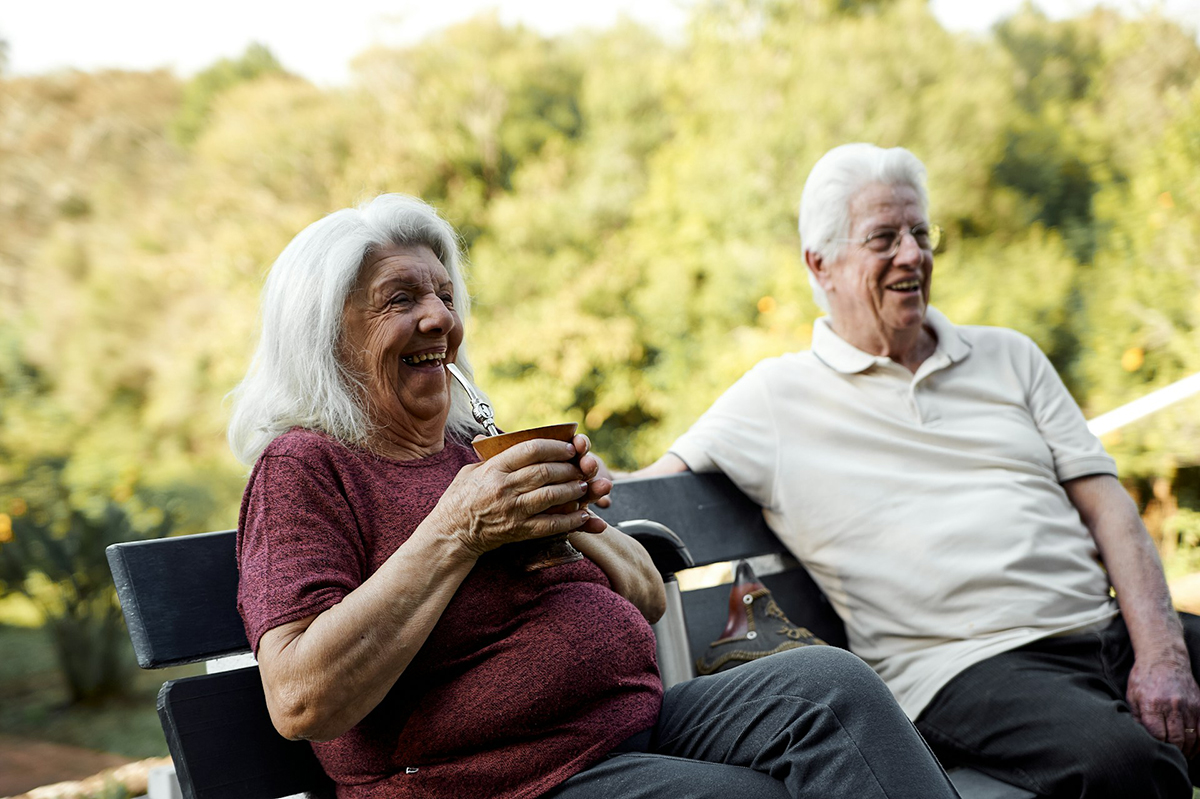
x: 1076, y: 450
x: 299, y: 547
x: 737, y: 436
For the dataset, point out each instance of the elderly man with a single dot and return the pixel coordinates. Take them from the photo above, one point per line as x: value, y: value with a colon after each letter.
x: 941, y: 485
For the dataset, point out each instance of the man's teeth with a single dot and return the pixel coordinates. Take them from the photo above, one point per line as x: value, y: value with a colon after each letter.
x: 906, y: 285
x: 413, y: 360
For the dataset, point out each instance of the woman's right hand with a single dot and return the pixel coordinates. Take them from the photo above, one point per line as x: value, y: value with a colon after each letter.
x: 504, y: 499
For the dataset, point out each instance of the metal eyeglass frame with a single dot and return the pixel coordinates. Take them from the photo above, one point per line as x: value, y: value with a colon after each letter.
x: 936, y: 239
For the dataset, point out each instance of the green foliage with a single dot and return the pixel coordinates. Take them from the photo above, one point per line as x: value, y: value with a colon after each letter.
x: 36, y: 702
x: 629, y: 204
x: 203, y: 90
x: 54, y: 554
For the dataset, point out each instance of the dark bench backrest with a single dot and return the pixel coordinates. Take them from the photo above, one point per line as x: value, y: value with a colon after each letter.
x: 719, y: 523
x: 179, y: 596
x: 223, y: 743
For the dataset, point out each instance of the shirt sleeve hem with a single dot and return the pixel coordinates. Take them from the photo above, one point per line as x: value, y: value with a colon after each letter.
x: 320, y: 602
x: 1083, y: 467
x: 695, y: 458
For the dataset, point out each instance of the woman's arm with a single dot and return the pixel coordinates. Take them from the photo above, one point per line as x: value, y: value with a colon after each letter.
x: 324, y: 673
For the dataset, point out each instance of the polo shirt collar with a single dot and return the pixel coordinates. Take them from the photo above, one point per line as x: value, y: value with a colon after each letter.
x: 842, y: 356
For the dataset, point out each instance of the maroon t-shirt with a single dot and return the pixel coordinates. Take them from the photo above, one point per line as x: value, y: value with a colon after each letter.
x: 527, y: 678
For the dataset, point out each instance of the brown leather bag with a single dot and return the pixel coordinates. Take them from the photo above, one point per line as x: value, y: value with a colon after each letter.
x: 756, y: 627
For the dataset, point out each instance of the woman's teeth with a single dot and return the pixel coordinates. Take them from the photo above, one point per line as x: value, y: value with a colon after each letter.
x: 905, y: 285
x: 413, y: 360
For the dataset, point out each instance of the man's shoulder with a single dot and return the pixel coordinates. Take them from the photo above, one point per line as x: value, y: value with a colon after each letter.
x: 788, y: 362
x: 996, y: 340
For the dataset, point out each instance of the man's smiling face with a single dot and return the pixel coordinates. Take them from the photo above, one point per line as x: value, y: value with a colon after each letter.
x: 871, y: 296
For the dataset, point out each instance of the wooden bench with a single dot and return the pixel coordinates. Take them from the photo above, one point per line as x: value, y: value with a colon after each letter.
x: 179, y: 600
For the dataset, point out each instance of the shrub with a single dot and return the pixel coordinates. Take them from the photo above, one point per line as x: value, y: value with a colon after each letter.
x: 54, y: 554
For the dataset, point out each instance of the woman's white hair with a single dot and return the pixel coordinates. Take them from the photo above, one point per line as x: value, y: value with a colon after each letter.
x: 296, y: 378
x: 834, y: 182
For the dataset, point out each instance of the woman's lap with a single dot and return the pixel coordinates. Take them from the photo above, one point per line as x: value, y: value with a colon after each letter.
x: 814, y: 722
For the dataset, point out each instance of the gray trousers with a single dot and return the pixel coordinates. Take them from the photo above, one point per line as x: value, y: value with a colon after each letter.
x: 810, y: 722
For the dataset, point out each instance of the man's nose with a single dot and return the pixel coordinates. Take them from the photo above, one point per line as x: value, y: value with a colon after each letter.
x: 908, y: 251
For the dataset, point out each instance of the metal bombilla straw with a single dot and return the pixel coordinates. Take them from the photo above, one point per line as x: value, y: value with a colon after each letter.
x: 479, y: 406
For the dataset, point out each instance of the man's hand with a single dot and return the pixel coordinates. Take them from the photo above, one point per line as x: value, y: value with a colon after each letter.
x: 1162, y: 692
x: 1165, y: 700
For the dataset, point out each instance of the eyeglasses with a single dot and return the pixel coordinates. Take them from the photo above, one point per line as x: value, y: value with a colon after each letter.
x: 885, y: 242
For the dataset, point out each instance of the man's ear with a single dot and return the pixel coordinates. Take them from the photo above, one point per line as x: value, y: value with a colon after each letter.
x: 817, y: 267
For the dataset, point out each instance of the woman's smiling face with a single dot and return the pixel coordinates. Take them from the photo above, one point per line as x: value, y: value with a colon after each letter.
x: 399, y: 327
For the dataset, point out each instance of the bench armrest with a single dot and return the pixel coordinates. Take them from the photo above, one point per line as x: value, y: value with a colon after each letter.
x: 666, y: 549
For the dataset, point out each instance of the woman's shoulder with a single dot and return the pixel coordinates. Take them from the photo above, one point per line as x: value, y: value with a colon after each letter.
x: 304, y: 444
x: 315, y: 446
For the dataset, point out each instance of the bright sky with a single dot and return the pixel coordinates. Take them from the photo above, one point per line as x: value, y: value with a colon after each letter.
x: 46, y: 35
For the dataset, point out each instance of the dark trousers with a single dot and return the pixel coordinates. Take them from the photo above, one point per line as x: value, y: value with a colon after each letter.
x: 1051, y: 717
x: 810, y: 722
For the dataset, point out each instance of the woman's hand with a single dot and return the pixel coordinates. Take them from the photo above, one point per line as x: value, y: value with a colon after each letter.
x: 599, y: 481
x: 516, y: 496
x: 629, y: 569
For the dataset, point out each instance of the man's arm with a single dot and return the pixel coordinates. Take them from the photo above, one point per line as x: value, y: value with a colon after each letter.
x: 667, y: 464
x: 1162, y: 691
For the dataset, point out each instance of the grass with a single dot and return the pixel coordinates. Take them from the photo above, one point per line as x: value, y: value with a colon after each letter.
x: 35, y: 701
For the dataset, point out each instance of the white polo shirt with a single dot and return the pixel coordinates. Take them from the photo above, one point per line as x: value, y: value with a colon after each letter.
x: 929, y: 507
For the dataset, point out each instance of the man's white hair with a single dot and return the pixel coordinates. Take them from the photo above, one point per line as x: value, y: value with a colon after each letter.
x: 296, y: 378
x: 834, y: 182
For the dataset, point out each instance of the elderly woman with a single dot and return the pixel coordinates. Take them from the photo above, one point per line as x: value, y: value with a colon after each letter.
x: 942, y: 486
x: 396, y: 629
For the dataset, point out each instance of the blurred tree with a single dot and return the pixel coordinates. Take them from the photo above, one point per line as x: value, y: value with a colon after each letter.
x: 53, y: 553
x: 630, y: 208
x: 1141, y: 319
x: 203, y: 90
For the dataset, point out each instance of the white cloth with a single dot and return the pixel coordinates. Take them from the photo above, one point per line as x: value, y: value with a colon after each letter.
x: 928, y: 507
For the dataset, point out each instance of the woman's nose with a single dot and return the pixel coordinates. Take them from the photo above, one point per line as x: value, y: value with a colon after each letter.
x: 435, y: 316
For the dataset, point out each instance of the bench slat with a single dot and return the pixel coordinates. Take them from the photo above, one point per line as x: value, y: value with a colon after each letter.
x: 224, y: 745
x: 716, y: 520
x: 178, y: 596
